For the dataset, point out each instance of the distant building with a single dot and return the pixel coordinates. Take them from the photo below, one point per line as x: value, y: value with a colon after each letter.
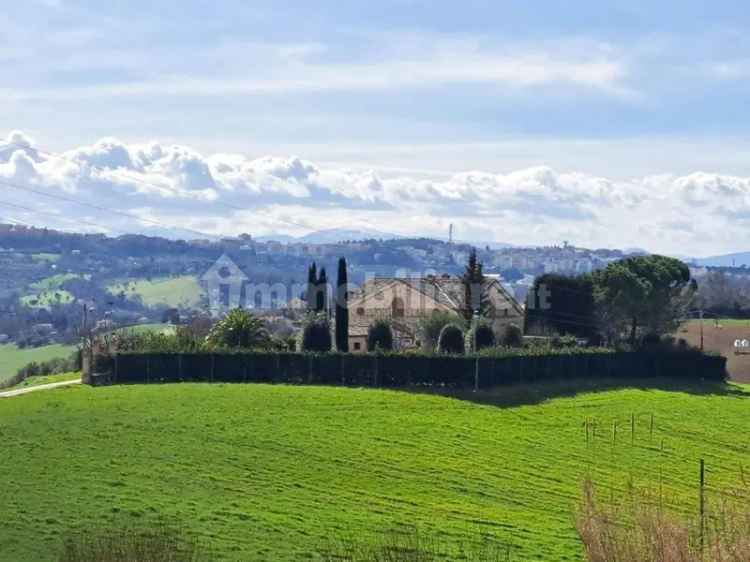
x: 404, y: 301
x: 223, y: 283
x: 43, y: 329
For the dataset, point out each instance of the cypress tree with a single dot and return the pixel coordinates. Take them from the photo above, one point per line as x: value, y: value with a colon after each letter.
x: 322, y: 292
x: 473, y: 280
x: 312, y: 282
x: 342, y: 308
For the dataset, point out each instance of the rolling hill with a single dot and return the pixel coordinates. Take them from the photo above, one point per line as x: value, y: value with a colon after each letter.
x: 727, y: 260
x: 259, y: 472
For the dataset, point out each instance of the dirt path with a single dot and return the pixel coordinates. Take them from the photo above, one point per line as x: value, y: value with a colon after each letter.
x: 20, y: 391
x: 720, y: 338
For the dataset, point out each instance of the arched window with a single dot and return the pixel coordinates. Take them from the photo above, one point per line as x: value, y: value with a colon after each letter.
x: 397, y: 307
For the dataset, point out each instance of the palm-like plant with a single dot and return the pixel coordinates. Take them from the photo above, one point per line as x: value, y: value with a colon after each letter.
x: 239, y: 328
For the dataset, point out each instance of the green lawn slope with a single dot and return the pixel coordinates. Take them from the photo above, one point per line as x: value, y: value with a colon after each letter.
x: 272, y: 472
x: 12, y: 358
x: 184, y: 291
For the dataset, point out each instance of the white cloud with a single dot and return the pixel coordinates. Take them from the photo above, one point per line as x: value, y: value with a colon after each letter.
x: 228, y: 193
x: 421, y: 61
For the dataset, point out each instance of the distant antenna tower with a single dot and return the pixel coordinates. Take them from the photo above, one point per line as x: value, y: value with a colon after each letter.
x: 450, y: 234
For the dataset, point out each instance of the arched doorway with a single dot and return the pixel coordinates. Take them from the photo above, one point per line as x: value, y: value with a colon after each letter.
x: 397, y: 307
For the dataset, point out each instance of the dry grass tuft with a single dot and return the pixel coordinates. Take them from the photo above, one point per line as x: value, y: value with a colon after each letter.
x: 127, y: 545
x: 646, y: 533
x: 410, y: 546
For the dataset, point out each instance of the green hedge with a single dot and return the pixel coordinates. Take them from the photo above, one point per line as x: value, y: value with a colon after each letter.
x: 398, y: 370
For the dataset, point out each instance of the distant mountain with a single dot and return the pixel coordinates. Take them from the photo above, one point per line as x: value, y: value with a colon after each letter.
x: 330, y: 236
x: 283, y: 238
x: 727, y: 260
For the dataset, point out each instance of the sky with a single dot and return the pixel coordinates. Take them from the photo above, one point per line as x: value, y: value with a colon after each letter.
x: 606, y: 124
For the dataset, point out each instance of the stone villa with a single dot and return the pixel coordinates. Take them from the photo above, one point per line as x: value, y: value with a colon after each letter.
x: 405, y: 300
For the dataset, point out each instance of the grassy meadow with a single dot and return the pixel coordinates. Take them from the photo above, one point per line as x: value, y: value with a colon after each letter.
x: 47, y: 299
x: 12, y: 358
x: 182, y: 291
x: 259, y: 473
x: 56, y: 281
x: 44, y: 379
x: 48, y: 291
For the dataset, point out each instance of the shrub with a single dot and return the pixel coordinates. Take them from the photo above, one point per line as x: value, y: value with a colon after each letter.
x: 480, y: 337
x: 432, y: 324
x: 665, y: 344
x: 512, y: 336
x: 380, y: 336
x: 559, y: 342
x: 239, y: 328
x: 316, y: 335
x: 650, y: 340
x: 451, y: 339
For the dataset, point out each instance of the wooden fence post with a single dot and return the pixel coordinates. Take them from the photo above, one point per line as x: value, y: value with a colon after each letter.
x: 476, y: 374
x: 651, y: 427
x: 702, y: 503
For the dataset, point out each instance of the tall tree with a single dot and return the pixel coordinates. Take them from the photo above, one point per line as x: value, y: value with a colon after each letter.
x: 561, y: 304
x: 643, y: 293
x: 475, y: 299
x: 342, y: 308
x: 321, y: 296
x: 312, y: 284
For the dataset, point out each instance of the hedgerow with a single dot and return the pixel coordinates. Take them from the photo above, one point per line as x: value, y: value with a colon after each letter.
x: 494, y: 367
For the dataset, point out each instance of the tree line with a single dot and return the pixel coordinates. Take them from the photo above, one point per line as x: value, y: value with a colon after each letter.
x: 628, y: 301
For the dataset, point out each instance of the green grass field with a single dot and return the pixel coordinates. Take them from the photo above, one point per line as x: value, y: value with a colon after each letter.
x: 56, y: 281
x: 51, y: 258
x: 264, y: 473
x: 743, y: 322
x: 46, y: 299
x: 12, y: 358
x: 174, y: 292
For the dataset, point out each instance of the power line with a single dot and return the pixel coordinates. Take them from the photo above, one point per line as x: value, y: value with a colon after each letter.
x: 100, y: 208
x: 140, y: 181
x: 16, y: 222
x: 81, y: 221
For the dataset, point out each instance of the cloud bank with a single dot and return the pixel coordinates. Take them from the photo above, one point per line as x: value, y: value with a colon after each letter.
x: 117, y: 187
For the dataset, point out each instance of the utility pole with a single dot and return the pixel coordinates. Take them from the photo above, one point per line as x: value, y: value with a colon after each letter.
x: 85, y: 318
x: 701, y: 315
x: 476, y: 355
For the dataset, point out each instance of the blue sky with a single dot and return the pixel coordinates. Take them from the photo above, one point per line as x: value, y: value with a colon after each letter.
x: 417, y: 89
